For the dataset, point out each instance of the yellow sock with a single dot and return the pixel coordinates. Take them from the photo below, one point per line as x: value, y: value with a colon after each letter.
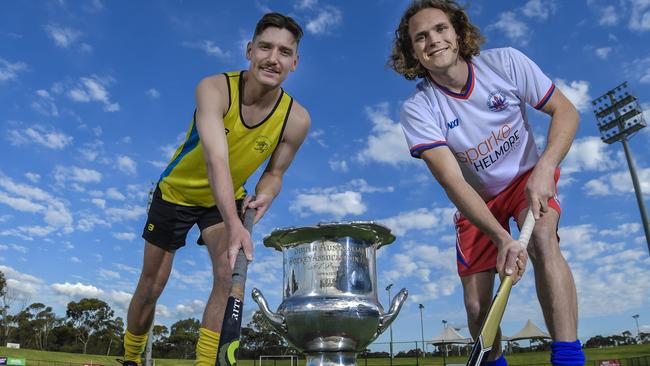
x: 134, y: 346
x: 206, y: 347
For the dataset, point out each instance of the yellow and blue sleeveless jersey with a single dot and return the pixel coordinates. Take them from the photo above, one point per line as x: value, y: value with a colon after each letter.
x: 185, y: 180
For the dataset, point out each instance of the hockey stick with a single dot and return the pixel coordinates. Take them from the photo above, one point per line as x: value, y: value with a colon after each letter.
x: 488, y: 333
x: 231, y: 327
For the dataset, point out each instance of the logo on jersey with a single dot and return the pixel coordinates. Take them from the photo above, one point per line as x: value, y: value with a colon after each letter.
x: 150, y: 227
x: 453, y: 124
x: 497, y: 101
x: 262, y: 144
x: 487, y: 152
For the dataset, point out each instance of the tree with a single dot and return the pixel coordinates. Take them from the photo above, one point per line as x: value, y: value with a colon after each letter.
x: 4, y: 308
x: 114, y: 330
x: 88, y: 316
x: 41, y: 322
x: 183, y: 337
x: 161, y: 346
x: 260, y: 338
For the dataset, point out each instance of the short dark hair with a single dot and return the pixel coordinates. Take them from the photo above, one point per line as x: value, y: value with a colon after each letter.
x: 470, y: 38
x: 279, y: 21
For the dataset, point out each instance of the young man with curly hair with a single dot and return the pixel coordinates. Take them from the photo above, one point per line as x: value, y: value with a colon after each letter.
x: 242, y: 118
x: 467, y: 120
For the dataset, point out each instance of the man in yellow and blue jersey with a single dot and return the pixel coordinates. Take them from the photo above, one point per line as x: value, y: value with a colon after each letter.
x: 241, y: 119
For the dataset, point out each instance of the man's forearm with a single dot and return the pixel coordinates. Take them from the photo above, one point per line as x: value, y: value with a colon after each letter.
x: 562, y: 130
x: 472, y: 206
x: 223, y: 192
x: 269, y: 184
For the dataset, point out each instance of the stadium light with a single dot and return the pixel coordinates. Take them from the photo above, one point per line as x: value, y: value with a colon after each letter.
x: 619, y: 116
x: 390, y: 327
x: 638, y: 333
x: 424, y: 349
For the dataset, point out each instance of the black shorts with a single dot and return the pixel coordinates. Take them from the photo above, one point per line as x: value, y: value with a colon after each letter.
x: 168, y: 223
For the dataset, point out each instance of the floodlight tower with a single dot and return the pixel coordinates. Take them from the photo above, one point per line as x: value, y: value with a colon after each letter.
x: 619, y: 116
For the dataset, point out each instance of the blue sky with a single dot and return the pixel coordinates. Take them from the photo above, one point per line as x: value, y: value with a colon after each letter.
x: 96, y: 95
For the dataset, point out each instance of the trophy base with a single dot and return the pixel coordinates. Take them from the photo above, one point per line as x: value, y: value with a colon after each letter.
x: 331, y: 359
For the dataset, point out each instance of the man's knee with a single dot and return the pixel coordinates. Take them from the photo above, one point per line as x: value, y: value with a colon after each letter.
x: 222, y: 277
x: 476, y: 310
x: 544, y: 244
x: 150, y: 288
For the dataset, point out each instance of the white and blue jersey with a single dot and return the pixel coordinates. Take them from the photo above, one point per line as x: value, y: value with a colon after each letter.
x: 485, y: 127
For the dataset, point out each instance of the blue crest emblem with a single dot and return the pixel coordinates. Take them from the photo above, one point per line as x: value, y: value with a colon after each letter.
x: 497, y: 101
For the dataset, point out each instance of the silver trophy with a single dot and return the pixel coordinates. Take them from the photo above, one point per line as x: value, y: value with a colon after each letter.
x: 330, y: 309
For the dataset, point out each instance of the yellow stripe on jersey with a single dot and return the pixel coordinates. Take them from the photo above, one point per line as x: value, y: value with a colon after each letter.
x: 185, y: 180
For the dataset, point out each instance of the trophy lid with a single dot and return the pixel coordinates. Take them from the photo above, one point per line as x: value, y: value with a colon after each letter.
x: 365, y: 231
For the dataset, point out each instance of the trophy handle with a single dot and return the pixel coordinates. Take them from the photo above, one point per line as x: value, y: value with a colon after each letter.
x: 276, y: 320
x: 395, y: 306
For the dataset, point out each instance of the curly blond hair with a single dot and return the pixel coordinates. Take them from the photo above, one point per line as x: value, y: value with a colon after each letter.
x: 470, y: 38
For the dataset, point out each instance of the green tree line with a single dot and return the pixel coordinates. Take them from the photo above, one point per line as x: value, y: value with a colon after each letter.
x: 90, y: 326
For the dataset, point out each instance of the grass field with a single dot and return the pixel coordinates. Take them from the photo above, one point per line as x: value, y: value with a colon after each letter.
x: 41, y: 358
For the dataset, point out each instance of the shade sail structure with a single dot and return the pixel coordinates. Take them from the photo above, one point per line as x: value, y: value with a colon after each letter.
x: 529, y: 331
x: 449, y: 335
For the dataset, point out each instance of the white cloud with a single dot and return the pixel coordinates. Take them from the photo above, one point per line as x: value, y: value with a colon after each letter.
x: 126, y: 213
x: 88, y: 223
x: 386, y: 144
x: 305, y: 4
x: 120, y: 299
x: 622, y: 230
x: 64, y: 174
x: 62, y: 36
x: 20, y: 285
x: 338, y: 165
x: 94, y: 89
x: 163, y: 311
x: 316, y: 135
x: 55, y: 213
x: 108, y: 274
x: 113, y: 193
x: 99, y: 202
x: 577, y: 92
x: 124, y: 236
x: 420, y: 219
x: 190, y: 308
x: 512, y: 27
x: 125, y: 268
x: 337, y: 204
x: 640, y: 15
x: 589, y: 154
x: 328, y: 18
x: 20, y: 204
x: 603, y: 52
x: 336, y: 201
x: 9, y: 71
x: 76, y: 290
x: 618, y: 183
x: 539, y: 9
x: 44, y: 104
x: 33, y: 177
x: 209, y: 47
x: 40, y: 135
x: 609, y: 16
x: 153, y: 93
x: 127, y: 165
x: 29, y: 232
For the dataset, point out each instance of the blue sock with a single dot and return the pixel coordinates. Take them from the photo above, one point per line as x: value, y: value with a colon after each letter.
x: 567, y: 354
x: 501, y: 361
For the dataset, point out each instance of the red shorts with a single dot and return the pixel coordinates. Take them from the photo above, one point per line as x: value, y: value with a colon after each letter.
x: 475, y: 252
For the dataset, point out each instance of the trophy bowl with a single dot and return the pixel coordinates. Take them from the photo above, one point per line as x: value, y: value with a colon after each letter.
x: 330, y: 309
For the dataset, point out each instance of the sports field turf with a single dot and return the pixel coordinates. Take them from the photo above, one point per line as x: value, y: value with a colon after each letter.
x: 41, y: 358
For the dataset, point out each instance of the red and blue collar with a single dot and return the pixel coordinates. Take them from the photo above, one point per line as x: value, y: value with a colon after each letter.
x: 468, y: 90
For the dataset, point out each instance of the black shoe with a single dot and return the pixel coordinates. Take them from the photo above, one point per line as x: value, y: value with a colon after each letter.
x: 126, y: 363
